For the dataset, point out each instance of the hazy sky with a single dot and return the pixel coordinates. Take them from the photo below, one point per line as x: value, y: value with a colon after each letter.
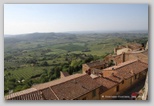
x: 28, y: 18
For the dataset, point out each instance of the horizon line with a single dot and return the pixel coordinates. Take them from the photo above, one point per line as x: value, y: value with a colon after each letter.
x: 99, y: 31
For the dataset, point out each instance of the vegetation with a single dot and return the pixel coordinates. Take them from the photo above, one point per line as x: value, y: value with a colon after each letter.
x: 39, y: 57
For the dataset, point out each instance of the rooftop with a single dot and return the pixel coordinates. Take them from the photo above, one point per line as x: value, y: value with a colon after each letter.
x: 30, y: 90
x: 96, y: 63
x: 106, y: 83
x: 69, y: 87
x: 55, y: 82
x: 134, y: 46
x: 75, y: 87
x: 120, y: 65
x: 128, y: 69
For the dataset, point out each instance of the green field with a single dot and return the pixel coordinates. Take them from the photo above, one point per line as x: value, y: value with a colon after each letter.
x: 38, y: 57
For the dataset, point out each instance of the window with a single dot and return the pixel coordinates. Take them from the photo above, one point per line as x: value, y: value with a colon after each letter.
x: 94, y: 93
x: 118, y: 88
x: 135, y: 76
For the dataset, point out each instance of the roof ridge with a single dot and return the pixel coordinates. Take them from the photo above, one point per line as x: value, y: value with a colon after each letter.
x: 54, y: 93
x: 129, y: 62
x: 143, y: 62
x: 63, y: 81
x: 69, y: 80
x: 121, y: 65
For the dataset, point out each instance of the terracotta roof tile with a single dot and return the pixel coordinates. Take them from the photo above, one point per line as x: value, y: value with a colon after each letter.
x: 48, y: 94
x: 106, y: 83
x: 120, y: 65
x: 145, y: 53
x: 128, y: 69
x: 36, y: 95
x: 131, y: 69
x: 114, y: 78
x: 134, y: 46
x: 96, y: 63
x: 55, y: 82
x: 75, y: 88
x: 20, y: 93
x: 69, y: 87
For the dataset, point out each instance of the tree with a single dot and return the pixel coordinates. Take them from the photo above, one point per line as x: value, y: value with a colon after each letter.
x: 11, y: 85
x: 52, y: 71
x: 57, y: 74
x: 12, y: 80
x: 45, y: 63
x: 70, y: 70
x: 44, y: 79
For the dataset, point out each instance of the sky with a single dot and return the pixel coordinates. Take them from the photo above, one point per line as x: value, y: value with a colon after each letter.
x: 30, y: 18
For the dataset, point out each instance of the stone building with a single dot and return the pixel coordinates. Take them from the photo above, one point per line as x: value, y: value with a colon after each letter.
x: 101, y: 64
x: 116, y: 80
x: 128, y: 48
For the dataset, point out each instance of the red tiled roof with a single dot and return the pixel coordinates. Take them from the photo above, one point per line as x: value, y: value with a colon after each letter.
x: 69, y: 87
x: 128, y: 69
x: 36, y: 95
x: 48, y: 94
x: 120, y: 65
x: 114, y: 78
x: 55, y: 82
x: 131, y: 69
x: 145, y: 53
x: 75, y: 88
x: 134, y: 46
x: 96, y: 63
x: 20, y: 93
x: 106, y: 83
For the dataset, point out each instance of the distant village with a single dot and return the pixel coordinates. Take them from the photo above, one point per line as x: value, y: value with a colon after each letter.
x: 110, y: 78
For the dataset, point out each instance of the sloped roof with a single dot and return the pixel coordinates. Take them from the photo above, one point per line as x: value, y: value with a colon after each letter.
x: 106, y: 83
x: 128, y: 69
x: 75, y: 88
x: 69, y: 87
x: 96, y: 63
x: 120, y: 65
x: 55, y: 82
x: 131, y: 69
x: 24, y: 95
x: 48, y: 94
x: 134, y: 46
x: 145, y: 53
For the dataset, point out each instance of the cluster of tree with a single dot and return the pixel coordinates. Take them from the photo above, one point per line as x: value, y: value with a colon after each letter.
x: 46, y: 76
x: 16, y: 85
x: 72, y: 64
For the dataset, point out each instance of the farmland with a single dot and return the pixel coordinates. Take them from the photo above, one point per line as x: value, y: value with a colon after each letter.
x: 39, y: 57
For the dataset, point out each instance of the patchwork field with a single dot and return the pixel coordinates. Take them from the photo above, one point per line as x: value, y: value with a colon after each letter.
x: 39, y: 57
